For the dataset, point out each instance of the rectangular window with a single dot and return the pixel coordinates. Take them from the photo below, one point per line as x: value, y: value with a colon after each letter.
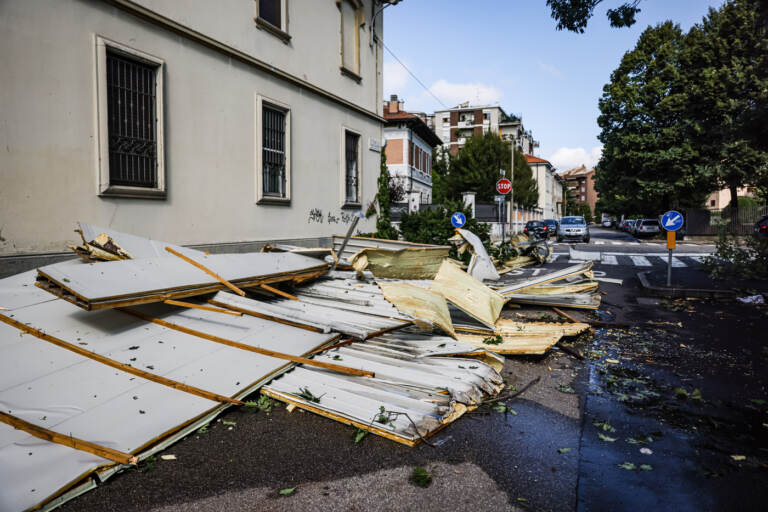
x: 273, y: 151
x: 129, y: 99
x: 270, y: 11
x: 351, y: 167
x: 351, y: 14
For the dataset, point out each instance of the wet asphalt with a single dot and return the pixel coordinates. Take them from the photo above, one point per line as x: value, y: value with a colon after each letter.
x: 543, y: 454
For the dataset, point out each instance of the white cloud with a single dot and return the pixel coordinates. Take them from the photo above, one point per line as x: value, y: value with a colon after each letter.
x: 568, y: 158
x: 476, y: 93
x: 552, y: 70
x: 395, y: 78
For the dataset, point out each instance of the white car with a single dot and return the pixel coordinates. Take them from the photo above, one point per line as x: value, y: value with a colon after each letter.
x: 647, y: 227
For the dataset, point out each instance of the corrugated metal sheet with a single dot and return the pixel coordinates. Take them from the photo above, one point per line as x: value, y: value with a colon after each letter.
x: 416, y: 392
x: 137, y: 246
x: 468, y: 294
x: 357, y: 243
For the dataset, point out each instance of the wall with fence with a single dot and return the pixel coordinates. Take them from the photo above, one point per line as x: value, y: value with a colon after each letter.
x: 712, y: 222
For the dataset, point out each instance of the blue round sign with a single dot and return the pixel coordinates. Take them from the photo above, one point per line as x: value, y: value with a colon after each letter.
x: 458, y: 219
x: 672, y: 220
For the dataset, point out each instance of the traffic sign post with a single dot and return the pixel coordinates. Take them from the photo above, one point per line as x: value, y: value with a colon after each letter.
x: 671, y: 221
x: 503, y: 187
x: 458, y: 220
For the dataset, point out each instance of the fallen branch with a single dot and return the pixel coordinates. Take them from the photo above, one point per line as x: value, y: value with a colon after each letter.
x: 570, y: 351
x: 513, y: 395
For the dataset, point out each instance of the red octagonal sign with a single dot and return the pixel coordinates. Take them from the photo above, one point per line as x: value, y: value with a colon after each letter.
x: 503, y: 186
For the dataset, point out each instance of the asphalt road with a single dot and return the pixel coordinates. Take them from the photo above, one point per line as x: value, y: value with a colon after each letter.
x: 546, y: 455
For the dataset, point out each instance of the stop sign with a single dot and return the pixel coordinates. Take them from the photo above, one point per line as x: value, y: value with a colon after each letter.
x: 503, y: 186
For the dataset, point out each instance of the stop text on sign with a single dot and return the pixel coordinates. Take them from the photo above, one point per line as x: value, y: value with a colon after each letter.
x: 503, y: 186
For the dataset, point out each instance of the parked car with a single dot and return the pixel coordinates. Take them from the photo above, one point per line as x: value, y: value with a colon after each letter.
x: 573, y: 228
x: 536, y: 229
x: 607, y: 223
x: 761, y: 227
x: 631, y: 226
x: 551, y: 227
x: 647, y: 227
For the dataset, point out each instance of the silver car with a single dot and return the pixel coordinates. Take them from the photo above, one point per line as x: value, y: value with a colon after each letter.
x: 573, y: 228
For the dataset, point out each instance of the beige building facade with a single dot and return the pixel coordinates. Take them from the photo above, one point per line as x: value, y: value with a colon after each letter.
x: 196, y: 122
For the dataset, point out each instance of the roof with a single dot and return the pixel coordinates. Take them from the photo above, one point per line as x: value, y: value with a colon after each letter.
x: 535, y: 160
x: 576, y: 172
x: 416, y: 124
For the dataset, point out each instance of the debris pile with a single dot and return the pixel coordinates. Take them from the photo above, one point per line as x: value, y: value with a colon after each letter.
x: 109, y: 361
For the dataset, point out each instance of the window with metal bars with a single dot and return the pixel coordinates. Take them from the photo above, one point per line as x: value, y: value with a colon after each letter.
x: 131, y: 121
x: 273, y: 151
x: 352, y: 174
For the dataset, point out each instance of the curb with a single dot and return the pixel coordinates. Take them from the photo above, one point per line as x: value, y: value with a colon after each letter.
x: 680, y: 292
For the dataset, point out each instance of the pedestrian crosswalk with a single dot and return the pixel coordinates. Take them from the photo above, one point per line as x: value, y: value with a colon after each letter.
x: 634, y: 260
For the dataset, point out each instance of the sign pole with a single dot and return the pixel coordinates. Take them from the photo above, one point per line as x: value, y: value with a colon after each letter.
x: 669, y: 265
x: 671, y: 221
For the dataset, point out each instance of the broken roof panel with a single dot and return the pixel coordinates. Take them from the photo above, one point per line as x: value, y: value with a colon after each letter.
x: 75, y: 395
x: 416, y: 392
x: 468, y: 294
x: 356, y: 243
x: 137, y: 246
x: 409, y: 263
x: 427, y: 308
x: 128, y: 282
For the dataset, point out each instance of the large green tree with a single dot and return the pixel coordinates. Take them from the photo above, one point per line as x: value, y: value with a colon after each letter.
x: 476, y: 169
x: 726, y: 76
x: 648, y: 163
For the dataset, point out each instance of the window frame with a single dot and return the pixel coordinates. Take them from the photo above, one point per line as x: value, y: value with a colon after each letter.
x: 101, y: 107
x: 280, y: 32
x: 357, y: 23
x: 260, y: 197
x: 343, y: 167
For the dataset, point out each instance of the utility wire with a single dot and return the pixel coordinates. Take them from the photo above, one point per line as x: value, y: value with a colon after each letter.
x: 414, y: 76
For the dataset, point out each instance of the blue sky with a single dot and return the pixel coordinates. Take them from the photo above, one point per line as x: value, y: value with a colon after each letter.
x: 508, y: 52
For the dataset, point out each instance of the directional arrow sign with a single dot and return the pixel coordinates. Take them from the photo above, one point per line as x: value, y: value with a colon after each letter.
x: 672, y: 220
x: 458, y: 219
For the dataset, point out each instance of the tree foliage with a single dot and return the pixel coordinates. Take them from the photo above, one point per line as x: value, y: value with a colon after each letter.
x: 648, y: 162
x: 433, y: 226
x: 384, y: 227
x: 441, y: 165
x: 684, y: 114
x: 573, y: 15
x: 476, y: 169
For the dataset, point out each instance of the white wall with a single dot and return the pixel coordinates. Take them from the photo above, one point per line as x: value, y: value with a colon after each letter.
x: 48, y: 165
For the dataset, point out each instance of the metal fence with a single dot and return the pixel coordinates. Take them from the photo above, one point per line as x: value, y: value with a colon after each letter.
x: 711, y: 222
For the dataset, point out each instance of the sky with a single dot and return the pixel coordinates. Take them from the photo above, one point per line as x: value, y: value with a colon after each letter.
x: 509, y: 53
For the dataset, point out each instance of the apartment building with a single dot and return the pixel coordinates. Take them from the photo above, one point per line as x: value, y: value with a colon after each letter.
x: 409, y: 145
x: 580, y: 186
x: 215, y: 124
x: 455, y: 125
x: 550, y: 187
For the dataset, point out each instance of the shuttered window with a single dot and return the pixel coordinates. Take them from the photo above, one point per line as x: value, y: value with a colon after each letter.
x: 131, y: 121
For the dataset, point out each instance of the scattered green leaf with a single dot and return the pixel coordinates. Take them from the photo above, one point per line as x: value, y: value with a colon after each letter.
x: 605, y: 425
x: 758, y: 401
x: 229, y: 423
x: 628, y: 466
x: 646, y: 467
x: 203, y: 429
x: 681, y: 394
x: 441, y: 345
x: 493, y: 340
x: 565, y: 389
x: 421, y: 477
x: 307, y: 395
x: 696, y: 395
x: 287, y: 492
x: 563, y: 450
x: 337, y: 357
x: 360, y: 433
x: 607, y: 439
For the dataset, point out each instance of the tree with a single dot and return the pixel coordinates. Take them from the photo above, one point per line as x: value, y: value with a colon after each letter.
x: 726, y: 64
x: 441, y: 165
x: 384, y: 227
x: 433, y: 225
x: 573, y: 15
x: 476, y: 169
x: 649, y: 162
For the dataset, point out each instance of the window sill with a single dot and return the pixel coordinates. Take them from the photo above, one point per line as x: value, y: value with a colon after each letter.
x: 351, y: 206
x: 274, y: 200
x: 275, y: 31
x: 351, y: 74
x: 133, y: 192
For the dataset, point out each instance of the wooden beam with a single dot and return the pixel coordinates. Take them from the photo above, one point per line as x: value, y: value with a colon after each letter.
x: 179, y: 303
x: 207, y: 271
x: 257, y: 314
x: 67, y: 440
x: 116, y: 364
x: 271, y: 353
x: 278, y: 292
x: 565, y: 315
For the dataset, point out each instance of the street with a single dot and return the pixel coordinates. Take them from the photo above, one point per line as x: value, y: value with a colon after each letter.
x: 667, y: 413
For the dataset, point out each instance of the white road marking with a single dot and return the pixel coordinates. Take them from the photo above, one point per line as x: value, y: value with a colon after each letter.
x: 640, y: 261
x: 553, y: 258
x: 698, y: 259
x: 599, y: 242
x: 536, y: 271
x: 617, y: 243
x: 610, y: 260
x: 677, y: 263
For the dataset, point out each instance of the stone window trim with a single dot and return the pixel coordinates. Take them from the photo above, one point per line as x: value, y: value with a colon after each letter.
x: 281, y: 32
x: 104, y: 187
x: 260, y: 197
x: 350, y: 68
x: 356, y: 204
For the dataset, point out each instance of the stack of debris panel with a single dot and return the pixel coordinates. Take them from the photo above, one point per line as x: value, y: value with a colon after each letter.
x: 571, y: 287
